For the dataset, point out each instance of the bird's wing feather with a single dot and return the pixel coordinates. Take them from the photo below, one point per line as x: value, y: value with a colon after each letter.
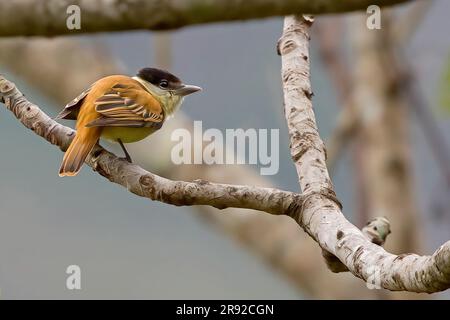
x: 113, y: 122
x: 70, y: 111
x: 128, y: 105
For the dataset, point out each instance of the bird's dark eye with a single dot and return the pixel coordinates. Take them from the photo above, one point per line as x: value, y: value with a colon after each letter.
x: 164, y: 84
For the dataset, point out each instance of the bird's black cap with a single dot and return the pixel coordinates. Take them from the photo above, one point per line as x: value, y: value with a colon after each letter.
x: 156, y: 76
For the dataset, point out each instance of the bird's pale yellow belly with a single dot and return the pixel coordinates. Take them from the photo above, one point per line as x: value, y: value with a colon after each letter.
x: 126, y: 134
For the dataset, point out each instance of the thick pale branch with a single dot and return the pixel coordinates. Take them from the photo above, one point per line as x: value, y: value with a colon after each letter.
x: 144, y: 183
x: 321, y: 215
x: 48, y: 17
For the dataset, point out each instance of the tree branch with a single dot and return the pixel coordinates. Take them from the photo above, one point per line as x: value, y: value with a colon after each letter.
x: 25, y: 17
x: 321, y: 215
x: 142, y: 182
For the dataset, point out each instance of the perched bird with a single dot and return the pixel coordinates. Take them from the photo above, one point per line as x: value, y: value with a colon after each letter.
x: 121, y: 109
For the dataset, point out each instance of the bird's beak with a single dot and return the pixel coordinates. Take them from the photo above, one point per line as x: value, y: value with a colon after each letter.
x: 186, y: 89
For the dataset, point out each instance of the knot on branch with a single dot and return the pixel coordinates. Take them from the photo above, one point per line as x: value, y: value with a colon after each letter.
x: 308, y: 19
x: 442, y: 260
x: 201, y: 182
x: 302, y: 141
x: 147, y: 183
x: 286, y: 46
x: 377, y: 230
x: 7, y: 88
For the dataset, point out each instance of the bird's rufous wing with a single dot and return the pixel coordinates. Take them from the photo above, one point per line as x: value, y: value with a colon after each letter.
x: 128, y: 105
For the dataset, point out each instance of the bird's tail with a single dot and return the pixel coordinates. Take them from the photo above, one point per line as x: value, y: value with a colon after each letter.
x: 76, y: 154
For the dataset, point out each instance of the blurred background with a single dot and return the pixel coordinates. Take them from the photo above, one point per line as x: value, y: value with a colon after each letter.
x: 382, y: 104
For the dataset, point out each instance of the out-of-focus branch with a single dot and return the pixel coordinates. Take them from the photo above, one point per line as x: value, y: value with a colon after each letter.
x: 62, y: 59
x: 430, y: 127
x: 329, y: 35
x: 329, y: 38
x: 163, y: 50
x: 321, y: 216
x: 48, y: 17
x: 406, y: 25
x: 347, y: 126
x: 409, y: 86
x: 348, y: 121
x: 385, y: 132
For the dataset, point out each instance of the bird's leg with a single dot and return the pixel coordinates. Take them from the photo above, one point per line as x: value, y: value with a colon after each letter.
x: 127, y: 155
